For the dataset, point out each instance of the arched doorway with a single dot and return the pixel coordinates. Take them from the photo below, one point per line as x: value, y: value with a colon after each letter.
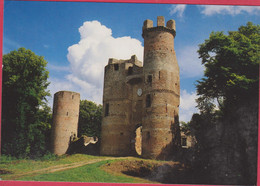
x: 138, y: 139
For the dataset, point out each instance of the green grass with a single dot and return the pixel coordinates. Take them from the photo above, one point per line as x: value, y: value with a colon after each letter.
x: 17, y: 166
x: 87, y: 173
x: 13, y: 169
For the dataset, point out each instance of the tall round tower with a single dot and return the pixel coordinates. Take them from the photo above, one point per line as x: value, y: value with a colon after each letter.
x: 65, y: 120
x: 161, y: 89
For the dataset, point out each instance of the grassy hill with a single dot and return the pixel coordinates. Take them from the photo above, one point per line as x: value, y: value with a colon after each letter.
x: 80, y: 168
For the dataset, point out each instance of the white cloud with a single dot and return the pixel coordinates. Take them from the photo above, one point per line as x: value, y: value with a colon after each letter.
x: 232, y: 10
x: 9, y: 45
x: 88, y: 58
x: 58, y: 68
x: 46, y: 46
x: 187, y: 105
x: 189, y: 62
x: 177, y: 9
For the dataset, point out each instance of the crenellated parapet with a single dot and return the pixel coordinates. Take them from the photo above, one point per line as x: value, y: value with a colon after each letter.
x: 170, y: 26
x: 141, y: 100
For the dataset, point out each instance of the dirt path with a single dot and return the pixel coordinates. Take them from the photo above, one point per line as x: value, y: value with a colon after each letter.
x: 60, y: 168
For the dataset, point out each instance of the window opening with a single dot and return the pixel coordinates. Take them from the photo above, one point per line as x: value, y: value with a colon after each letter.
x: 184, y: 142
x: 148, y: 100
x: 130, y: 70
x: 148, y: 135
x: 116, y: 66
x: 149, y: 79
x: 107, y: 109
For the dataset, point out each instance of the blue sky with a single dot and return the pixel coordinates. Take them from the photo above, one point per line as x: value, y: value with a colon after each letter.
x: 77, y: 38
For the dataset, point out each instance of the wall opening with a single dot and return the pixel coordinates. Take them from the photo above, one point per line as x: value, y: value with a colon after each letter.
x: 116, y: 66
x: 183, y: 142
x: 148, y: 100
x: 107, y: 109
x: 138, y: 140
x: 130, y: 70
x: 148, y: 135
x: 149, y: 78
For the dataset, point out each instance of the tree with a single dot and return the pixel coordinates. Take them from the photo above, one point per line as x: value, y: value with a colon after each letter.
x: 224, y: 133
x: 90, y: 117
x: 24, y: 91
x: 231, y: 65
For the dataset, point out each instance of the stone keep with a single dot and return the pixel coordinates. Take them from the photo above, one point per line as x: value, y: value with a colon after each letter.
x: 122, y: 107
x: 143, y: 98
x: 65, y: 120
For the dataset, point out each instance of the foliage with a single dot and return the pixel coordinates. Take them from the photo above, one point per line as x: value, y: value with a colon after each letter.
x: 185, y: 127
x: 231, y: 78
x: 24, y: 91
x: 231, y: 74
x: 90, y: 116
x: 231, y: 65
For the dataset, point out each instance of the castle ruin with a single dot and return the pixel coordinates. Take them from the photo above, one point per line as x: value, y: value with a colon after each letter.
x: 65, y: 120
x: 143, y: 98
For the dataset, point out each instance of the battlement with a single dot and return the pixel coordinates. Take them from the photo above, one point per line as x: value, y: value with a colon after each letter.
x: 170, y: 26
x: 132, y: 60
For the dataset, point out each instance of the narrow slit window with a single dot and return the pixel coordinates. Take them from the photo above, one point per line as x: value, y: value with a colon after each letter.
x: 107, y: 109
x: 149, y: 78
x: 148, y: 135
x: 184, y: 142
x: 116, y: 66
x: 148, y: 100
x: 72, y: 96
x: 67, y: 113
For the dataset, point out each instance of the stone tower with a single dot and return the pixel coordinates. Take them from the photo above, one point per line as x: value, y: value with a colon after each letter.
x: 65, y: 120
x: 122, y: 77
x: 143, y: 99
x: 161, y: 89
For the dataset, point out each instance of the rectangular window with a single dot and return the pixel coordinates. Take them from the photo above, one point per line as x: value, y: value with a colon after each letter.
x: 130, y: 70
x: 149, y: 78
x: 116, y: 66
x: 107, y: 110
x: 148, y: 135
x: 184, y: 142
x: 148, y: 100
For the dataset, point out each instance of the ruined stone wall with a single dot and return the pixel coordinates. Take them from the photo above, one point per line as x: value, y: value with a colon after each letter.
x: 161, y: 89
x: 65, y: 120
x: 121, y: 106
x: 115, y: 129
x: 233, y: 149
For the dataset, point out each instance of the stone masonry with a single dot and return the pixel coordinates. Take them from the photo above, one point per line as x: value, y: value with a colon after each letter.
x: 143, y: 98
x: 65, y: 120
